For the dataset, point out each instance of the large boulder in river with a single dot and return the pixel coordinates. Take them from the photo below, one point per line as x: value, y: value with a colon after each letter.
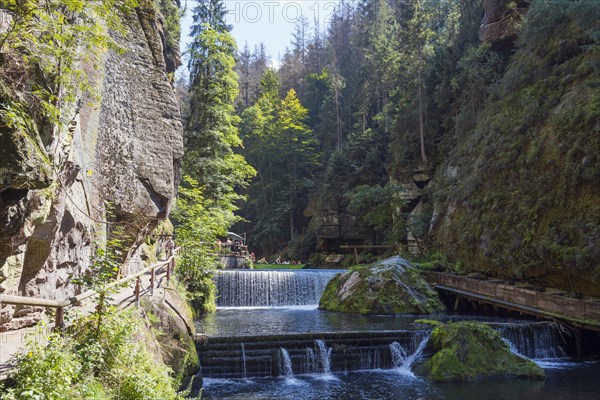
x: 465, y: 351
x: 391, y: 286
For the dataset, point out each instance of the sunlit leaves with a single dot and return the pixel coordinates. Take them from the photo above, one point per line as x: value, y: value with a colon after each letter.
x: 54, y: 37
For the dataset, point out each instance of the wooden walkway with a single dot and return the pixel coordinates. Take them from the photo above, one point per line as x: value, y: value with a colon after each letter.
x: 552, y: 305
x: 151, y: 283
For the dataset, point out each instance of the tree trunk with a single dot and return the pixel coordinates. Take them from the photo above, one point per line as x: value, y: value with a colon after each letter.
x: 291, y: 209
x: 337, y: 117
x: 421, y: 123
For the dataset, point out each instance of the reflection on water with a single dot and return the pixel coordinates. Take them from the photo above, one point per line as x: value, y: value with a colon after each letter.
x: 263, y: 321
x: 569, y: 381
x: 244, y: 321
x: 565, y: 379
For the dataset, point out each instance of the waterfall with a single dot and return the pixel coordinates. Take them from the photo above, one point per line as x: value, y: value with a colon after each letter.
x: 398, y: 355
x: 317, y: 360
x: 310, y: 361
x: 248, y: 288
x: 534, y: 340
x: 402, y: 361
x: 244, y: 372
x: 324, y: 356
x: 286, y: 362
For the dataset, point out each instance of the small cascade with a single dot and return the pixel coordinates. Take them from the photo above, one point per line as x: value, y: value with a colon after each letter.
x: 409, y: 361
x: 249, y: 288
x: 535, y: 340
x: 324, y: 354
x: 244, y: 371
x: 402, y: 361
x: 306, y: 353
x: 398, y: 354
x: 310, y: 364
x: 286, y: 362
x: 371, y: 359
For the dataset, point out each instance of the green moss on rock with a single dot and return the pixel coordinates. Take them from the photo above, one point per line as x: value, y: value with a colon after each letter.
x: 468, y: 350
x: 392, y: 286
x: 173, y: 322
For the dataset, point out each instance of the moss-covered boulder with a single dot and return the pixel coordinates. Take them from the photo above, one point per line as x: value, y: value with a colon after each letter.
x: 466, y: 351
x: 391, y: 286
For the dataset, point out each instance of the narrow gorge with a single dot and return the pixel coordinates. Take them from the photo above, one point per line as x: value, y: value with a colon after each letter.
x: 372, y: 199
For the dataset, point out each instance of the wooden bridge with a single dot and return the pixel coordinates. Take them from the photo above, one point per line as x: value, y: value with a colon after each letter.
x: 552, y: 305
x: 473, y: 293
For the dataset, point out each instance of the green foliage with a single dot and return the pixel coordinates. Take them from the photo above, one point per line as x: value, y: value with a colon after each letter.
x: 198, y: 224
x: 172, y: 28
x: 374, y: 206
x: 280, y: 146
x: 211, y: 131
x: 105, y: 266
x: 527, y: 161
x: 214, y: 172
x: 48, y: 40
x: 89, y: 363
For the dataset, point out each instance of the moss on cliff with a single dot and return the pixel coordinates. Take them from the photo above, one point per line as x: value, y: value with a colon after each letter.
x: 391, y: 286
x: 25, y: 163
x: 171, y: 320
x: 524, y: 202
x: 470, y: 350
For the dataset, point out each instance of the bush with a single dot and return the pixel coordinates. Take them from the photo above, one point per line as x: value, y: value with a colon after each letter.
x: 106, y: 362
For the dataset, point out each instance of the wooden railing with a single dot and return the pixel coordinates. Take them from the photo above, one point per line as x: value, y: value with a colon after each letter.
x: 71, y: 301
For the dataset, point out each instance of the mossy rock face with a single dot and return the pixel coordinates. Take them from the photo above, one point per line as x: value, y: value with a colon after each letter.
x: 465, y: 351
x: 173, y: 323
x: 391, y: 286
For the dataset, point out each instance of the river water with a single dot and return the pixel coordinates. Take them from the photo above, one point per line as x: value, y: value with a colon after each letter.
x: 261, y: 309
x: 564, y: 381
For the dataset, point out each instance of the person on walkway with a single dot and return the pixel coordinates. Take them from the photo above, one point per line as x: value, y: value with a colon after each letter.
x: 170, y: 246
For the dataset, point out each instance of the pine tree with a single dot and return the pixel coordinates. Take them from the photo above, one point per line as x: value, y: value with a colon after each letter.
x: 211, y: 132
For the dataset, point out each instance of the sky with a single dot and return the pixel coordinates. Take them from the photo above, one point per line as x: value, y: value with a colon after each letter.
x: 268, y: 21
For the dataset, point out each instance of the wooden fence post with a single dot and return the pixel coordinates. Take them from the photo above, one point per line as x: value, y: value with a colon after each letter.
x: 137, y: 292
x: 152, y: 275
x: 59, y: 319
x: 168, y: 273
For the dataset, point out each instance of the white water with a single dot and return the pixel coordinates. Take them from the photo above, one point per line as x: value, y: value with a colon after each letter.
x: 286, y: 362
x: 541, y: 344
x: 398, y: 354
x: 533, y: 340
x: 402, y: 361
x: 245, y: 373
x: 324, y: 356
x: 310, y: 364
x: 249, y: 288
x: 545, y: 363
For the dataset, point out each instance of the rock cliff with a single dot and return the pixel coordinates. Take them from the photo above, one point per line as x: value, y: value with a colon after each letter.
x: 121, y: 151
x: 518, y: 195
x: 501, y: 21
x: 512, y: 188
